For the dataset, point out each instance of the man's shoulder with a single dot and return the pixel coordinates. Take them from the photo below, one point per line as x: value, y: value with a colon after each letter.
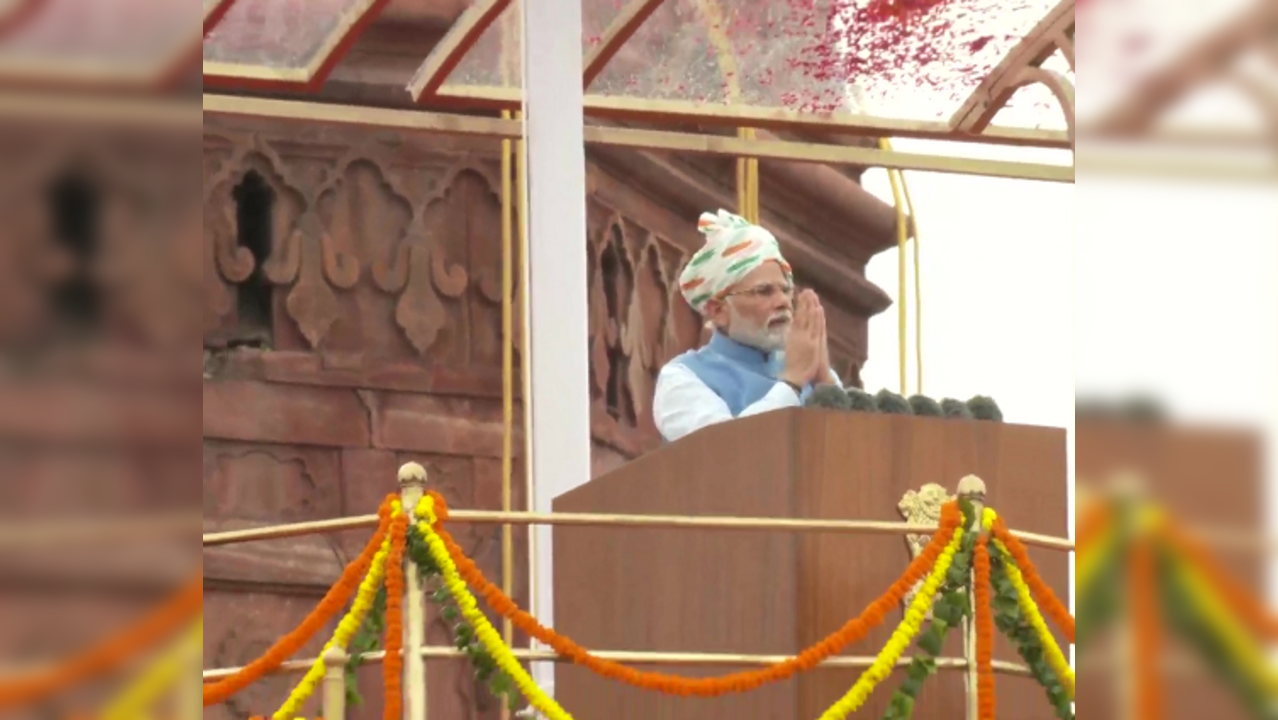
x: 679, y: 364
x: 677, y: 376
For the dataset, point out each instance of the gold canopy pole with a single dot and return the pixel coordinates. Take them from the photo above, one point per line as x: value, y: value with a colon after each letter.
x: 747, y: 167
x: 902, y: 306
x: 918, y: 285
x: 510, y: 36
x: 905, y: 221
x: 507, y: 382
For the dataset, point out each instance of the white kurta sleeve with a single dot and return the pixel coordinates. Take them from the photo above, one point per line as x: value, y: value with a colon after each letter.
x: 683, y: 404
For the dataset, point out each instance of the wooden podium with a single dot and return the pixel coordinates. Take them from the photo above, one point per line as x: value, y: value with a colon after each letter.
x: 777, y: 592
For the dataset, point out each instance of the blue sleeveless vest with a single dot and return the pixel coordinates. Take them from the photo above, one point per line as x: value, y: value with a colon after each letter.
x: 738, y: 373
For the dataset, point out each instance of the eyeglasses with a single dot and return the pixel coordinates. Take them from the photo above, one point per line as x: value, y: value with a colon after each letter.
x: 765, y: 291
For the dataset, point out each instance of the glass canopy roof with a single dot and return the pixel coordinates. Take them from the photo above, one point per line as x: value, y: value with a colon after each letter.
x: 813, y: 58
x: 822, y: 56
x: 279, y: 40
x: 103, y: 40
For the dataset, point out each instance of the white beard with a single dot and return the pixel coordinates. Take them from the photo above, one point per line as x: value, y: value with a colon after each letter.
x: 761, y: 337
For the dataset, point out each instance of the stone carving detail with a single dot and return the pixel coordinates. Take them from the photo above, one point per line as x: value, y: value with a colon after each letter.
x: 922, y: 507
x: 648, y: 317
x: 638, y: 319
x: 430, y: 234
x: 303, y: 256
x: 308, y: 261
x: 95, y: 242
x: 419, y: 271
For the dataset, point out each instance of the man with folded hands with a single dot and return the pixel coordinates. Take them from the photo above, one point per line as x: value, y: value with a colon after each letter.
x: 769, y: 347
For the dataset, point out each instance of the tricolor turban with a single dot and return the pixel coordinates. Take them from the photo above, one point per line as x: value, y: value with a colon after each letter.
x: 734, y: 247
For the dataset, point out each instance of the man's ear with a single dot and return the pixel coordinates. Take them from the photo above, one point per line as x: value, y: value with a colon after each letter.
x: 716, y: 313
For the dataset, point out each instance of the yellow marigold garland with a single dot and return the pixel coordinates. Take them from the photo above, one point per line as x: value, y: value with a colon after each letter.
x: 346, y: 629
x: 484, y: 630
x: 1055, y: 657
x: 1090, y: 561
x: 1246, y: 652
x: 901, y: 638
x: 160, y: 677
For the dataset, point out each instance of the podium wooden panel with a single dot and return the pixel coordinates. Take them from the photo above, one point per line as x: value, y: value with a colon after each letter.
x: 751, y: 592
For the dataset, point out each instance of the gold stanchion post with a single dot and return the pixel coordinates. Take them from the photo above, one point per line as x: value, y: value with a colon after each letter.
x: 972, y: 489
x: 334, y: 698
x: 412, y: 486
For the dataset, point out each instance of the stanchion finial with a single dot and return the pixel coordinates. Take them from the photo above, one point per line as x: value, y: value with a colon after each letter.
x: 1128, y: 484
x: 412, y: 475
x: 972, y: 487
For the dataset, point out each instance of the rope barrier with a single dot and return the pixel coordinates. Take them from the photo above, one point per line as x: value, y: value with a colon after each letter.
x: 433, y: 554
x: 684, y: 522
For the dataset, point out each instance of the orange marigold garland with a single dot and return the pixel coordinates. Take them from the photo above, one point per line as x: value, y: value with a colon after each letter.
x: 1147, y: 619
x: 853, y: 631
x: 1243, y: 603
x: 1043, y: 594
x: 336, y: 599
x: 984, y: 599
x: 393, y: 667
x: 110, y: 654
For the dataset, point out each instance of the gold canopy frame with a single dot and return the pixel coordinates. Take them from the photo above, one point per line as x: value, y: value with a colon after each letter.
x: 432, y: 89
x: 214, y: 11
x: 224, y: 67
x: 1021, y: 66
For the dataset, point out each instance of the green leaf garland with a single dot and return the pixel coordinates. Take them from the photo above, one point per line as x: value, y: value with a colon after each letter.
x: 1012, y: 622
x: 367, y: 639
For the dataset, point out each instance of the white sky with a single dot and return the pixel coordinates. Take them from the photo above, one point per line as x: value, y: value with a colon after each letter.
x: 1166, y: 287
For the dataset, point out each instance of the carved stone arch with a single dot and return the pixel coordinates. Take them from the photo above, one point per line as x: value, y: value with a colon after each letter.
x: 683, y: 324
x: 491, y: 176
x: 33, y: 261
x: 390, y: 194
x: 616, y: 248
x: 235, y: 263
x: 616, y: 278
x: 303, y: 256
x: 646, y: 325
x: 484, y: 262
x: 371, y: 154
x: 154, y: 259
x: 597, y: 307
x: 445, y: 188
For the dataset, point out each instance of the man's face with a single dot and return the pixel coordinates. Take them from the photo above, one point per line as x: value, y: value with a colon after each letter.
x: 757, y: 310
